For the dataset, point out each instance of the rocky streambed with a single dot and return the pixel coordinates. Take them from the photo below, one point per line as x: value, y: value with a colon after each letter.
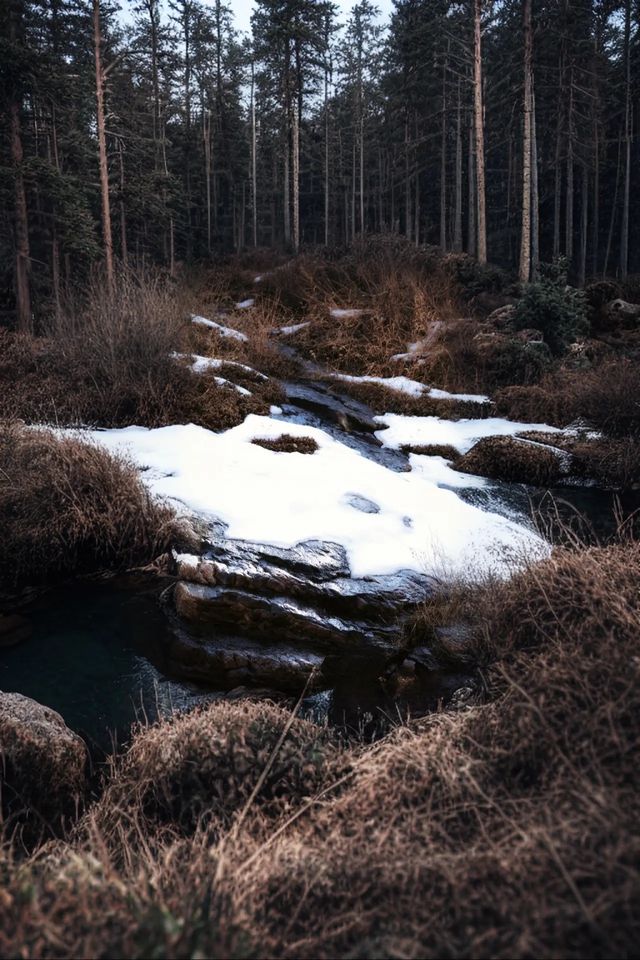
x: 244, y: 615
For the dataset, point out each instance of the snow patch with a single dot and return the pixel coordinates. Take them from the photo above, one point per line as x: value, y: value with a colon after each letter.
x: 220, y: 328
x: 462, y: 434
x: 339, y: 312
x: 293, y: 328
x: 414, y: 388
x: 283, y: 499
x: 245, y: 304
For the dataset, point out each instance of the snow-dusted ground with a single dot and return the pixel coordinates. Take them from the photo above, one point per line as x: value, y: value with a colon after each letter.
x: 399, y: 431
x: 220, y: 328
x: 199, y: 364
x: 285, y: 498
x: 413, y: 388
x: 293, y: 328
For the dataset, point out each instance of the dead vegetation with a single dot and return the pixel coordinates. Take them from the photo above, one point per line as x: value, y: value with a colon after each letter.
x: 508, y: 829
x: 287, y: 444
x: 69, y: 507
x: 513, y: 460
x: 108, y: 360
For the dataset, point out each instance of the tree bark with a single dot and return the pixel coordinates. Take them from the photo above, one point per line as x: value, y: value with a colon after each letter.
x: 525, y: 236
x: 624, y: 226
x: 102, y: 148
x: 479, y: 132
x: 23, y: 256
x: 457, y: 225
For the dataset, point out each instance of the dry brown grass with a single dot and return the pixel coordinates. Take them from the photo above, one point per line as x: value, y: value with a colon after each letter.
x: 504, y: 830
x: 606, y: 396
x: 383, y: 399
x: 69, y: 507
x: 288, y: 444
x: 108, y: 361
x: 517, y: 461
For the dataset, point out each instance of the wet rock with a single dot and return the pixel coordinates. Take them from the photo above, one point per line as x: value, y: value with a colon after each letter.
x: 229, y: 663
x: 381, y: 598
x: 316, y: 560
x: 516, y: 461
x: 348, y: 414
x: 42, y: 773
x: 276, y: 617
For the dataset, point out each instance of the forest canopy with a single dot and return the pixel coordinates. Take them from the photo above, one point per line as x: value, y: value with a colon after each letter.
x: 507, y: 130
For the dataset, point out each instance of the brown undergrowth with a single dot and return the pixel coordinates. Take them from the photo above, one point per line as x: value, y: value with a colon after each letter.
x: 67, y: 507
x: 507, y: 829
x: 109, y: 360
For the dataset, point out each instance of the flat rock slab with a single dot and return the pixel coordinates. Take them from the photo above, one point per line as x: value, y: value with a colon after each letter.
x: 315, y: 560
x: 276, y: 617
x: 228, y: 663
x: 348, y: 414
x: 379, y: 599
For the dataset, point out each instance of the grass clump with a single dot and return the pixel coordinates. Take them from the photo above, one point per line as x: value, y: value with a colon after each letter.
x: 69, y: 507
x: 202, y: 768
x: 287, y: 444
x: 513, y: 460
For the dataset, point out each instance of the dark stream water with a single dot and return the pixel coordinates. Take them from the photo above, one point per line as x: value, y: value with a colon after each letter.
x: 95, y: 650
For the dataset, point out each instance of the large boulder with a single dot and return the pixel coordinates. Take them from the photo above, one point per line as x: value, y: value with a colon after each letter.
x: 42, y: 766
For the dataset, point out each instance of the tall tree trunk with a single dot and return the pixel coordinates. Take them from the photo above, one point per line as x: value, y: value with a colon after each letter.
x: 471, y: 185
x: 535, y: 194
x: 525, y: 236
x: 568, y: 241
x: 557, y: 193
x: 479, y: 130
x: 624, y: 225
x: 124, y: 256
x: 457, y: 225
x: 23, y: 256
x: 614, y: 207
x: 584, y: 222
x: 254, y: 167
x: 295, y: 173
x: 206, y: 140
x: 102, y: 148
x: 327, y: 81
x: 443, y: 161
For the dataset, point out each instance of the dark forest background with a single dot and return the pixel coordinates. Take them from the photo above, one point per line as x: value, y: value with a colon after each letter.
x: 506, y: 129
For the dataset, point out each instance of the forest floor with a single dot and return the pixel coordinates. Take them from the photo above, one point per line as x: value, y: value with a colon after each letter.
x: 502, y: 826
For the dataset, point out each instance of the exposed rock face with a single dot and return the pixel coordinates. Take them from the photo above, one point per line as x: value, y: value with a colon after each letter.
x: 43, y: 765
x: 246, y: 612
x: 516, y: 461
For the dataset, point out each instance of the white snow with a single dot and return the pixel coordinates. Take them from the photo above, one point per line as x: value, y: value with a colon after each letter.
x: 461, y: 434
x: 201, y: 363
x: 438, y: 471
x: 275, y: 411
x: 245, y: 304
x: 413, y: 388
x: 284, y: 498
x: 293, y: 328
x: 220, y: 328
x: 339, y: 312
x: 401, y: 384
